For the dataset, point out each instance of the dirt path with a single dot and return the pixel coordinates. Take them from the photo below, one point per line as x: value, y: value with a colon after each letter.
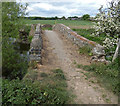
x: 64, y: 54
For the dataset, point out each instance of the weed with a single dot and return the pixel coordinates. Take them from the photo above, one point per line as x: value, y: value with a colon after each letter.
x: 30, y: 38
x: 87, y: 74
x: 79, y: 66
x: 108, y: 101
x: 47, y: 28
x: 74, y: 62
x: 85, y: 50
x: 60, y: 76
x: 104, y: 96
x: 86, y: 78
x: 43, y: 75
x: 33, y: 64
x: 57, y: 71
x: 92, y: 81
x: 31, y: 75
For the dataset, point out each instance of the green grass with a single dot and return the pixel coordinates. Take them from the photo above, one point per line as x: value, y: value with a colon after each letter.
x: 59, y: 74
x: 65, y: 22
x: 43, y: 75
x: 85, y: 50
x: 53, y: 84
x: 107, y: 75
x: 30, y: 38
x: 87, y: 34
x: 47, y: 28
x: 56, y: 82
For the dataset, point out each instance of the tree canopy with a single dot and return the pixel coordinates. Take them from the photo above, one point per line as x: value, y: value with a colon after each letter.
x: 108, y: 23
x: 12, y: 62
x: 86, y: 17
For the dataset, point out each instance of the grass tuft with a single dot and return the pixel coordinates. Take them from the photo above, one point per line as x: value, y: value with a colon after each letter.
x: 85, y: 50
x: 43, y: 75
x: 59, y: 74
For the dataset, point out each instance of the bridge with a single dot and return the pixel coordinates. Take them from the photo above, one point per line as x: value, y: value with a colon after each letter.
x: 60, y: 49
x: 36, y: 44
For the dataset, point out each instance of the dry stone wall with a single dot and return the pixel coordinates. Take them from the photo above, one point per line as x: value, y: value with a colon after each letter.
x: 97, y: 49
x: 36, y: 45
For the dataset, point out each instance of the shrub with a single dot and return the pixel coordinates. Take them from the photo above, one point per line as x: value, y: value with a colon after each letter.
x: 26, y: 92
x: 27, y: 29
x: 13, y: 65
x: 21, y: 92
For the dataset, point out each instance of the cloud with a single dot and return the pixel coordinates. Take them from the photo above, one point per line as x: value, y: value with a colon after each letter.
x: 66, y: 8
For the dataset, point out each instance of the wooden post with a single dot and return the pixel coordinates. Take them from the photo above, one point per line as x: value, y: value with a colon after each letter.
x: 117, y: 50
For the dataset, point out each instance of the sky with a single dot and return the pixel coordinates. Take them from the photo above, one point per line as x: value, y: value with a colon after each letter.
x: 52, y: 8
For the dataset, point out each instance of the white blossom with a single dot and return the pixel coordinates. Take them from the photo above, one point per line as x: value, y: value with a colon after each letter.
x: 108, y: 24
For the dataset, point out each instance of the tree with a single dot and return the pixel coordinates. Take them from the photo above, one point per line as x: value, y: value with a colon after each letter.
x: 63, y: 17
x: 108, y: 23
x: 56, y: 17
x: 86, y: 17
x: 12, y: 14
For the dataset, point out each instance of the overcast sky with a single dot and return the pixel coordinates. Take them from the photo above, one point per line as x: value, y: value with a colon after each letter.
x: 48, y: 8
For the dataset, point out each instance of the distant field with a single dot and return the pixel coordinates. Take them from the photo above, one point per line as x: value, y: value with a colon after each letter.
x: 71, y: 23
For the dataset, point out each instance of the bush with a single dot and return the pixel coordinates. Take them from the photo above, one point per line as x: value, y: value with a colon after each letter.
x: 27, y: 29
x: 20, y: 92
x: 13, y: 65
x: 26, y: 92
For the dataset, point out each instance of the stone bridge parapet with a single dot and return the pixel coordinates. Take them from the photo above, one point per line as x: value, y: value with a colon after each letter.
x: 97, y: 49
x: 36, y: 45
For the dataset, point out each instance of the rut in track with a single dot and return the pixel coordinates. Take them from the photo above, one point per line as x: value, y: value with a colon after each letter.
x: 66, y: 53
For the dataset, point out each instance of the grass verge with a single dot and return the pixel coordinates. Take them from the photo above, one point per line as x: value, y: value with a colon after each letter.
x: 107, y: 75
